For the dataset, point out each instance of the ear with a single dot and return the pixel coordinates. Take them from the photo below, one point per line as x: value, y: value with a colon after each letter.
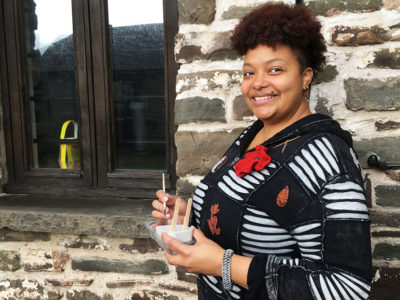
x: 308, y: 75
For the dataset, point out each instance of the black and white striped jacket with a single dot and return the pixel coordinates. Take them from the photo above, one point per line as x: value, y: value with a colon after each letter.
x: 303, y: 219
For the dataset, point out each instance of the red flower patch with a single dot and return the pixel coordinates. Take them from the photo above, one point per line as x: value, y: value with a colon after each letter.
x: 254, y: 160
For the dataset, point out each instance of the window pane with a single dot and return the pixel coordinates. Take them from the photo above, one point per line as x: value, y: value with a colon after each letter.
x: 137, y: 38
x: 50, y: 62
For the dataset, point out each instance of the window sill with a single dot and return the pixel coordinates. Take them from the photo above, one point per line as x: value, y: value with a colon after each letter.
x: 116, y: 217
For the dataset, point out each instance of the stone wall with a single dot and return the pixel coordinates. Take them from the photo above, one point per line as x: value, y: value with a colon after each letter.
x: 360, y: 88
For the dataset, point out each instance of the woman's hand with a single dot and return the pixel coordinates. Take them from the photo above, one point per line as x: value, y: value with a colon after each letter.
x: 170, y: 200
x: 203, y: 257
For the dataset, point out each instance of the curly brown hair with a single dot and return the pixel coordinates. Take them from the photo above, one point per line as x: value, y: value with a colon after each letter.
x: 278, y: 23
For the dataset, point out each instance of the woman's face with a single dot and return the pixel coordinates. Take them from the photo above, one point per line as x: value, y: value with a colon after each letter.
x: 273, y: 84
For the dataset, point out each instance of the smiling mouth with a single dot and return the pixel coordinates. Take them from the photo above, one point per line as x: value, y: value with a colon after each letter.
x: 263, y: 99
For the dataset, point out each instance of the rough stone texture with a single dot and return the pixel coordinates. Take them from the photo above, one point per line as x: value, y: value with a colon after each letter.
x: 388, y: 195
x: 128, y: 283
x: 328, y: 74
x: 26, y: 289
x: 385, y: 217
x: 368, y: 192
x: 391, y: 4
x: 386, y: 58
x: 322, y: 107
x: 99, y: 264
x: 196, y: 12
x: 184, y: 188
x: 9, y: 261
x: 57, y: 282
x: 373, y: 95
x: 7, y: 235
x: 389, y: 125
x: 101, y: 217
x: 199, y: 109
x: 198, y: 152
x: 178, y: 288
x: 84, y: 243
x: 335, y: 7
x: 386, y: 284
x: 386, y: 233
x: 385, y: 147
x: 150, y: 295
x: 386, y: 251
x: 240, y: 108
x: 393, y: 174
x: 184, y: 275
x: 141, y: 245
x: 208, y: 81
x: 353, y: 36
x: 204, y: 45
x: 237, y: 12
x: 86, y: 295
x: 43, y: 261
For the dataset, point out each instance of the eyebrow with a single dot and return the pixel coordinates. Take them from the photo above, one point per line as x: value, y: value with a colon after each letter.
x: 267, y: 62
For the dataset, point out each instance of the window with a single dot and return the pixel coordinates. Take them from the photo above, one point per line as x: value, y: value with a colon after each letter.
x: 88, y: 88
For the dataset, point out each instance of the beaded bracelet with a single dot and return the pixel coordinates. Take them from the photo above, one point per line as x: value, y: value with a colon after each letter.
x: 226, y: 269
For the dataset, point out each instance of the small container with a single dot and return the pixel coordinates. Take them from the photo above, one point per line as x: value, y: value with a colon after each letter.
x: 184, y: 236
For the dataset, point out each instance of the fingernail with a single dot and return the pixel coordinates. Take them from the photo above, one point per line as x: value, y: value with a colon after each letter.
x: 165, y: 198
x: 168, y: 216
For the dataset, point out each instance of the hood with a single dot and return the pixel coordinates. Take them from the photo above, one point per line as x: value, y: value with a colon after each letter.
x: 314, y: 123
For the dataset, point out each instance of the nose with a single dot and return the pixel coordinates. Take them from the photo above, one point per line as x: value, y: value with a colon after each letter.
x: 260, y: 81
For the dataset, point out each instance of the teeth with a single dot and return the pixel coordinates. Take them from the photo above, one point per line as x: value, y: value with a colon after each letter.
x: 263, y: 98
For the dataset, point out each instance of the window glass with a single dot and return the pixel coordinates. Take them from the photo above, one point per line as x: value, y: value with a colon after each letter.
x: 51, y: 77
x: 137, y: 43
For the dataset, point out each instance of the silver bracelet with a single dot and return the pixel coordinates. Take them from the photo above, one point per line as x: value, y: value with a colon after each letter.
x: 226, y: 269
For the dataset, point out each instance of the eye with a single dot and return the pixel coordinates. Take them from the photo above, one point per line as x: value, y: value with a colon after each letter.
x: 247, y: 74
x: 275, y: 70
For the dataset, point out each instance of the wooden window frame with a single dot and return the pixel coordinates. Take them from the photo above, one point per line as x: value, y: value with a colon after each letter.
x: 97, y: 176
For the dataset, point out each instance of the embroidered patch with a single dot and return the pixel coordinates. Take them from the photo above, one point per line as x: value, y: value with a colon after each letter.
x: 282, y: 197
x: 219, y: 164
x: 213, y: 220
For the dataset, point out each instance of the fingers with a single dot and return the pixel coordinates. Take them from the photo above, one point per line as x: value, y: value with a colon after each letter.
x: 175, y: 245
x: 158, y: 206
x: 197, y: 234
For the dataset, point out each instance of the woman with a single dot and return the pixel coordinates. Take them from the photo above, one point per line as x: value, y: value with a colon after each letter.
x: 287, y: 197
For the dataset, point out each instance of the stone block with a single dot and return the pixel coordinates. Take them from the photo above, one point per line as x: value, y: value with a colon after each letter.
x: 388, y: 195
x: 386, y: 233
x: 386, y: 284
x: 195, y: 12
x: 128, y: 283
x: 99, y: 264
x: 44, y: 261
x: 199, y: 151
x: 386, y: 251
x: 87, y: 295
x: 385, y: 217
x: 388, y: 125
x: 386, y: 58
x: 178, y: 288
x: 334, y: 7
x: 385, y: 147
x: 141, y: 245
x: 84, y: 243
x: 240, y: 108
x: 26, y: 289
x: 147, y: 295
x: 237, y: 12
x: 209, y: 81
x: 184, y: 275
x: 9, y: 261
x: 322, y: 107
x: 353, y: 36
x: 8, y: 235
x: 184, y: 188
x: 199, y: 109
x: 75, y: 282
x: 328, y: 74
x: 393, y: 174
x: 373, y: 95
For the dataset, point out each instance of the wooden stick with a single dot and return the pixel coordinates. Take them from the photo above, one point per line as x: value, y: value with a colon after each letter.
x: 187, y: 215
x: 175, y: 217
x: 163, y: 188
